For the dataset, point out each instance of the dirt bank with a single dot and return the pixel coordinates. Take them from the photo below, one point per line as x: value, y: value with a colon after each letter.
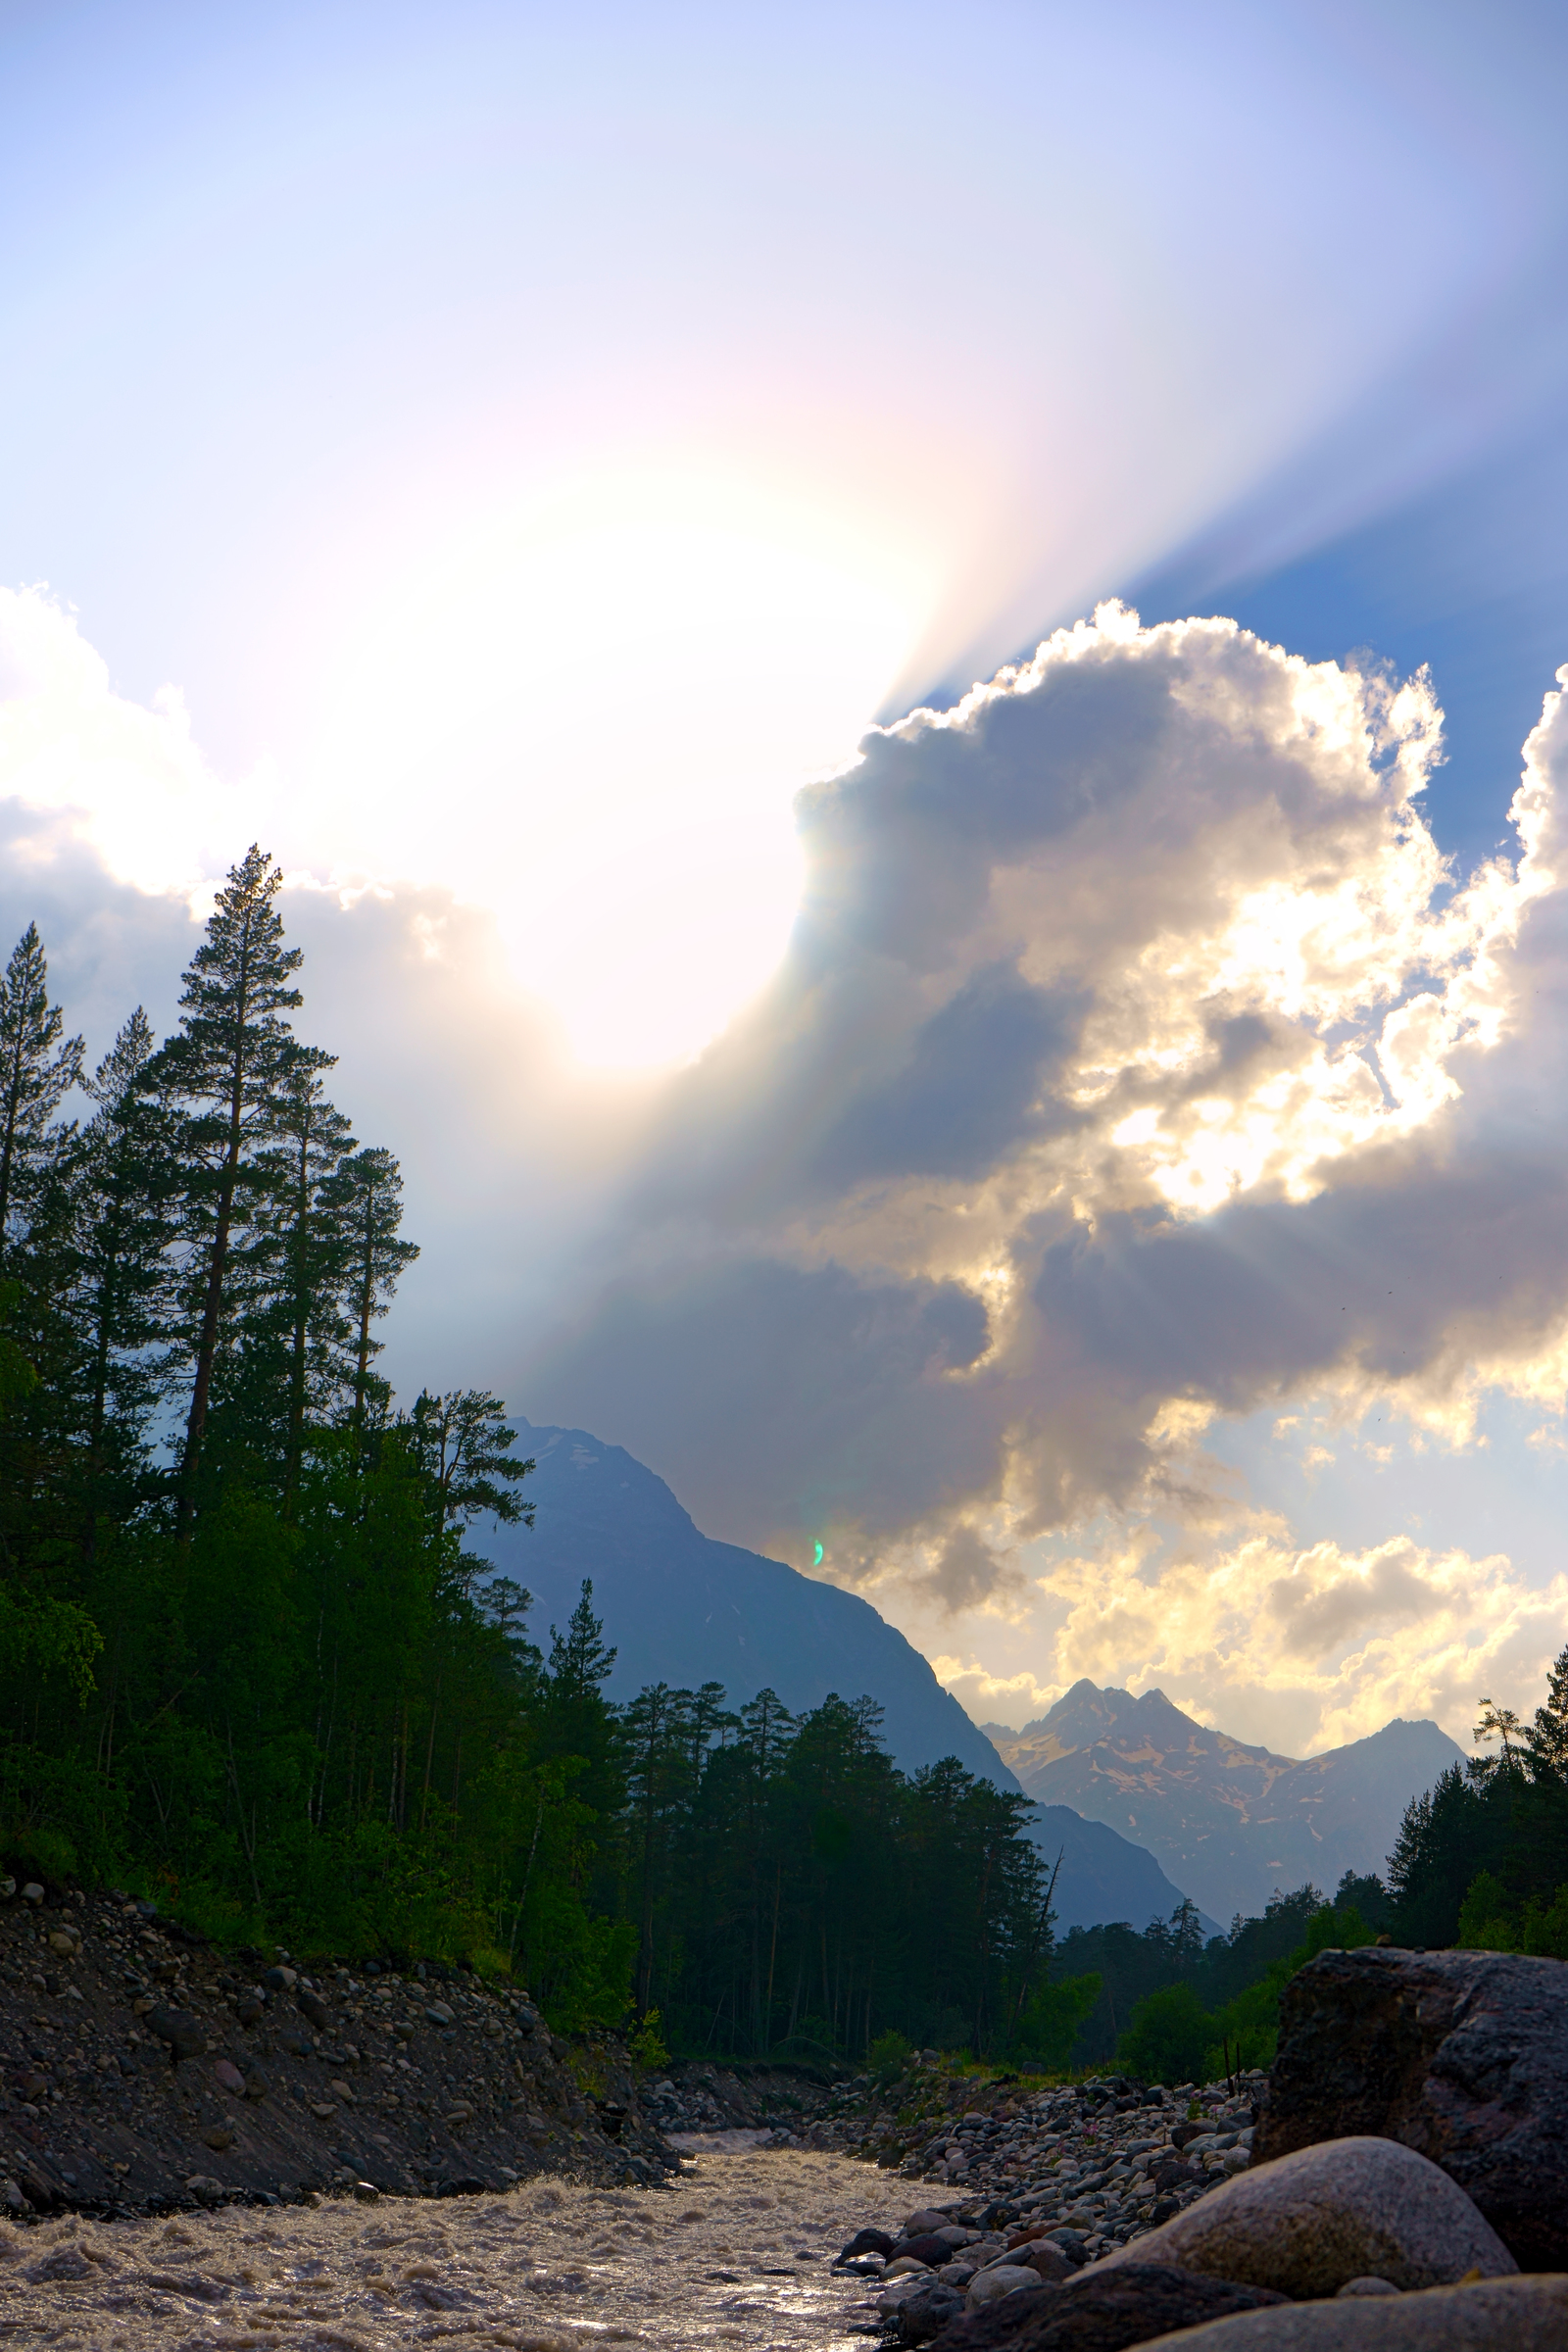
x: 139, y: 2066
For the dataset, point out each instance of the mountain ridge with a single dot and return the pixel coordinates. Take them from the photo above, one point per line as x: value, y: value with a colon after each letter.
x: 684, y: 1608
x: 1228, y: 1821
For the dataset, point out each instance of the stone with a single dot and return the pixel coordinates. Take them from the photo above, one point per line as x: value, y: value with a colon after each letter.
x: 311, y: 2006
x: 204, y: 2187
x: 1522, y: 2314
x: 280, y: 1980
x: 440, y: 2015
x: 1047, y: 2259
x: 367, y: 2192
x: 1103, y: 2310
x: 903, y: 2264
x: 867, y: 2242
x: 927, y: 2312
x: 1460, y: 2055
x: 228, y: 2074
x: 1369, y: 2287
x: 928, y: 2247
x: 185, y: 2035
x: 32, y: 1892
x: 927, y: 2218
x: 249, y: 2010
x: 257, y: 2084
x: 999, y: 2279
x: 64, y: 1941
x: 1307, y: 2223
x: 217, y: 2136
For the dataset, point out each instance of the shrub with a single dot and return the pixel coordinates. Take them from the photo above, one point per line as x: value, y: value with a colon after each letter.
x: 889, y: 2055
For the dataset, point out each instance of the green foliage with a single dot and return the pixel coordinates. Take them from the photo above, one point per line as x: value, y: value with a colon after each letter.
x: 250, y: 1664
x: 1482, y: 1859
x: 646, y: 2043
x: 1221, y: 2011
x: 1054, y: 2019
x: 1490, y: 1922
x: 1168, y: 2035
x: 889, y: 2055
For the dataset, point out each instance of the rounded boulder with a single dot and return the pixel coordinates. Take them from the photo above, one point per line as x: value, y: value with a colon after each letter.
x: 1494, y: 2315
x: 1002, y: 2278
x: 1309, y: 2222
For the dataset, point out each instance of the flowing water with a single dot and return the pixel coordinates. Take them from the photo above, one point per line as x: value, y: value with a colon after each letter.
x: 737, y: 2252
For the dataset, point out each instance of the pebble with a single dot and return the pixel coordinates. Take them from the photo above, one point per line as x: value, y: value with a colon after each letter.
x: 1093, y: 2165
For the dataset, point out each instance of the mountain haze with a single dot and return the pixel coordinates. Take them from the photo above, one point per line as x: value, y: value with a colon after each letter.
x: 1229, y: 1821
x: 682, y: 1608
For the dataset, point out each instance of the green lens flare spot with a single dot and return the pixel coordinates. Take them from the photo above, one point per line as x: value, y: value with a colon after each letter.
x: 817, y: 1561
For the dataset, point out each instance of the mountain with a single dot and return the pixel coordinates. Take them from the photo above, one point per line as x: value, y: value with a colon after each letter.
x: 1230, y: 1822
x: 684, y: 1609
x: 1104, y: 1876
x: 681, y: 1608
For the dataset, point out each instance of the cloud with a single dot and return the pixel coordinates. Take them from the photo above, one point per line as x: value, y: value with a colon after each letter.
x: 125, y: 780
x: 1321, y: 1645
x: 1137, y: 1065
x: 1133, y: 1004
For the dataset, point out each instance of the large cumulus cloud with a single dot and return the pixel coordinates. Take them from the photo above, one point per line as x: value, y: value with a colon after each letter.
x: 1132, y: 1004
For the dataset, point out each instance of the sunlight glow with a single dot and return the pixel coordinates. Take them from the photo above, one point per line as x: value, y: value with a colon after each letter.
x: 593, y: 716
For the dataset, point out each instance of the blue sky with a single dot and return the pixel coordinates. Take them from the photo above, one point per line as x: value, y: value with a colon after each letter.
x: 501, y: 457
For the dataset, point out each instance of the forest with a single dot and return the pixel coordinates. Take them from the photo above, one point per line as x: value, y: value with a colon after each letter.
x: 255, y: 1669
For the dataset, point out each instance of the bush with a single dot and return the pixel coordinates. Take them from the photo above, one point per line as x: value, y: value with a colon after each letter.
x: 1168, y: 2038
x: 647, y: 2043
x: 1053, y: 2021
x: 1490, y: 1922
x: 887, y: 2056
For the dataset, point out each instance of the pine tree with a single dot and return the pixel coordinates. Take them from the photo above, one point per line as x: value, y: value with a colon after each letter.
x: 233, y: 1061
x: 125, y: 1180
x: 365, y: 1195
x: 579, y: 1662
x: 303, y: 1216
x: 37, y: 1070
x: 464, y: 1446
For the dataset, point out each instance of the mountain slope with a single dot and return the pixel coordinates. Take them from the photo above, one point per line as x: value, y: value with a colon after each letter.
x: 1104, y: 1876
x: 1230, y: 1822
x: 684, y: 1609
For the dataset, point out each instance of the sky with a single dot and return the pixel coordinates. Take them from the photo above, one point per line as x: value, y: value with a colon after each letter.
x: 903, y: 664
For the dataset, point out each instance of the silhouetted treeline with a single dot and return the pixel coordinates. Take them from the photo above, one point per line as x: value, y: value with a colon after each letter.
x: 1483, y: 1859
x: 250, y: 1664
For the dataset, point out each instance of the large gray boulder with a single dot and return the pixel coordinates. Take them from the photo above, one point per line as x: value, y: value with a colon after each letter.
x: 1309, y: 2222
x: 1103, y: 2311
x: 1495, y: 2315
x: 1460, y: 2055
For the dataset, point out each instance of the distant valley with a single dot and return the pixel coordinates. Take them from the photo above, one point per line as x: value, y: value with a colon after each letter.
x: 1228, y: 1822
x: 685, y: 1609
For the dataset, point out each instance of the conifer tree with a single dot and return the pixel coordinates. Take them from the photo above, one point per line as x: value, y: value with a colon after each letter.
x: 124, y: 1180
x: 37, y: 1070
x: 303, y: 1216
x: 231, y: 1064
x: 464, y: 1446
x: 365, y: 1195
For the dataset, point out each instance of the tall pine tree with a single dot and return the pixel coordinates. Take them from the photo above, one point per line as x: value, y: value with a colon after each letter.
x: 365, y: 1195
x: 38, y: 1067
x: 234, y: 1063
